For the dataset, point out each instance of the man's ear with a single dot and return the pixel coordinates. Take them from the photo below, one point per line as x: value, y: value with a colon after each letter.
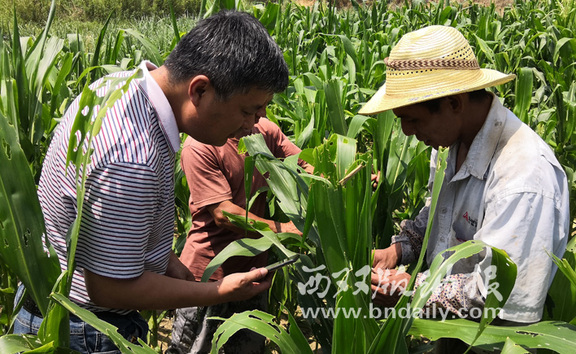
x: 456, y: 102
x: 197, y: 88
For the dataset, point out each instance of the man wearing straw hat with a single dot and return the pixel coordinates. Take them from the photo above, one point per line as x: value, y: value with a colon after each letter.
x: 503, y: 184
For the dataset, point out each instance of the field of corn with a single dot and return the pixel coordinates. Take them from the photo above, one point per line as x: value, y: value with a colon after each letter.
x: 335, y: 56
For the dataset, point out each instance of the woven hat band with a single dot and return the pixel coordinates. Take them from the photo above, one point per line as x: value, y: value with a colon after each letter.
x: 426, y: 64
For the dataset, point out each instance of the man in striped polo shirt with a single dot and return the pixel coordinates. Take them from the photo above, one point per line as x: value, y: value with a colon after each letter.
x: 220, y: 76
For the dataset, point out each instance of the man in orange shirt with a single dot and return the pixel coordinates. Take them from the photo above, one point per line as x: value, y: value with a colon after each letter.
x: 216, y: 180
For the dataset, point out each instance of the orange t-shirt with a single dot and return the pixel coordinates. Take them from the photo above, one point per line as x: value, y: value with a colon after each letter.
x: 216, y: 174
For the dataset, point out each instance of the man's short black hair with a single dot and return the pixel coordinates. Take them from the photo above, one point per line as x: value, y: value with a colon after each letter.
x: 234, y: 50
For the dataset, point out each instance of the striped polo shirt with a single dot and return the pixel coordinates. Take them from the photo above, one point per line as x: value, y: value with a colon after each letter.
x: 128, y: 213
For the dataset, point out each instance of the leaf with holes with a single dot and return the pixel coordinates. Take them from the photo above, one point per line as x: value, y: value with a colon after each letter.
x: 21, y: 221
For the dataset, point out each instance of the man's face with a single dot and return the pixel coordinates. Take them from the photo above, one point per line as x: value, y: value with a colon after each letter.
x: 437, y: 129
x: 220, y: 120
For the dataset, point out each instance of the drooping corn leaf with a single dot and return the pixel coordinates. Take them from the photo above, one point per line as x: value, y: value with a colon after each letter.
x: 110, y: 330
x: 556, y: 335
x: 263, y: 324
x: 243, y: 247
x: 500, y: 286
x: 18, y: 343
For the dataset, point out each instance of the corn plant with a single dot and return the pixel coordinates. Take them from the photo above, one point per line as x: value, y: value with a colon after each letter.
x: 338, y: 215
x: 336, y: 62
x: 23, y: 251
x: 24, y: 115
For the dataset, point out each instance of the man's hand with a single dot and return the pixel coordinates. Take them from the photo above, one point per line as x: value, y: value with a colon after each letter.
x: 243, y: 286
x: 217, y: 210
x: 375, y: 178
x: 388, y: 285
x: 388, y: 257
x: 177, y: 269
x: 286, y: 227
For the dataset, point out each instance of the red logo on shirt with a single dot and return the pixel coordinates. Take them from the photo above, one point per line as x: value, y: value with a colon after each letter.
x: 471, y: 221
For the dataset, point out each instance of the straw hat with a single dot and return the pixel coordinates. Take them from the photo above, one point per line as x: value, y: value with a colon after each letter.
x: 433, y: 62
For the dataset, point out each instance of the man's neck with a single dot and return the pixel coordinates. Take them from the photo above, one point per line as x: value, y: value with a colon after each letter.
x: 477, y: 112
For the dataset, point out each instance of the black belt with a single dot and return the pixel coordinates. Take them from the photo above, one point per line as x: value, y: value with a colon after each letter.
x: 29, y: 305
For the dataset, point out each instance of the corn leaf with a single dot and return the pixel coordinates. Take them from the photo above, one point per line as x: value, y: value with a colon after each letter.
x: 243, y: 247
x: 556, y: 335
x: 561, y: 301
x: 14, y: 343
x: 288, y: 186
x: 21, y: 233
x: 511, y: 347
x: 263, y: 324
x: 335, y: 109
x: 109, y: 330
x: 524, y: 84
x: 152, y: 52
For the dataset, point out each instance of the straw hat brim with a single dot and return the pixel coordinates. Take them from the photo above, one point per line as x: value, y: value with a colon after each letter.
x: 431, y: 85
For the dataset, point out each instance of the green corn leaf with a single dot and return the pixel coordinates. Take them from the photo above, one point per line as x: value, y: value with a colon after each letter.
x: 485, y: 49
x: 87, y: 124
x: 99, y: 43
x: 109, y: 330
x: 565, y: 267
x: 115, y: 54
x: 357, y: 124
x: 329, y: 216
x: 501, y: 284
x: 249, y: 165
x: 511, y: 347
x: 263, y: 229
x: 16, y: 343
x: 392, y: 332
x: 351, y: 66
x: 263, y: 324
x: 244, y: 247
x: 345, y: 154
x: 524, y: 85
x: 270, y: 16
x: 315, y: 80
x: 152, y: 52
x: 288, y: 186
x: 59, y: 84
x: 306, y: 134
x: 568, y: 43
x: 562, y: 293
x: 561, y: 301
x: 21, y: 233
x: 333, y: 92
x: 349, y: 48
x: 55, y: 327
x: 555, y: 335
x: 174, y: 23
